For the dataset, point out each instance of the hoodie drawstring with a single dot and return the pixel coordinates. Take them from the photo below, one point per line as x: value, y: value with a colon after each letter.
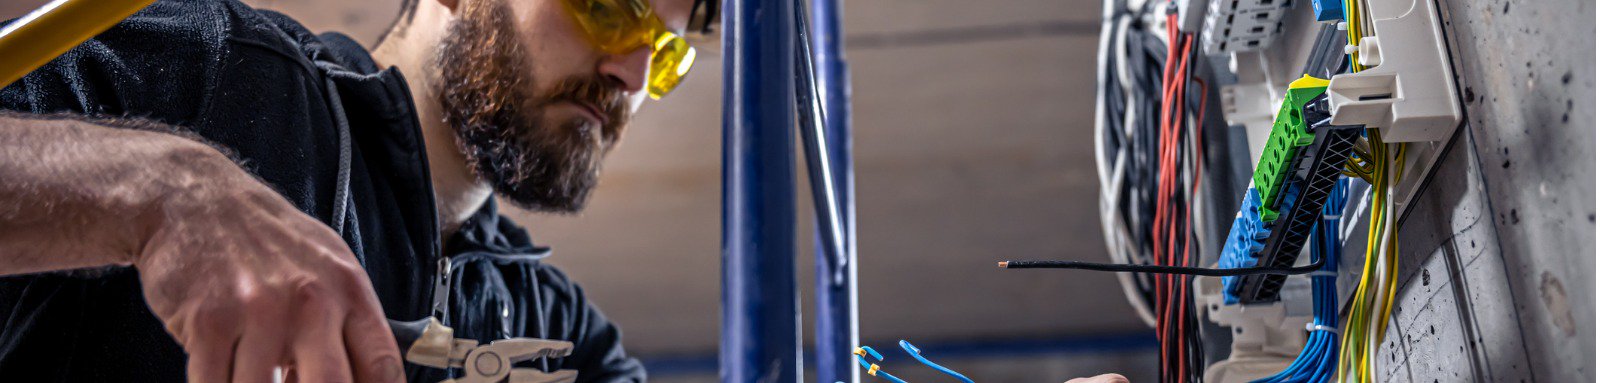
x: 341, y: 191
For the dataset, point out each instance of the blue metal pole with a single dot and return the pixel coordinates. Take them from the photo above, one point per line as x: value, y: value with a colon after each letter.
x: 760, y: 323
x: 838, y: 331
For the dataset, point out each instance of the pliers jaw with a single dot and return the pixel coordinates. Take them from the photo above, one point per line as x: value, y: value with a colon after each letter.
x: 489, y: 363
x: 493, y: 363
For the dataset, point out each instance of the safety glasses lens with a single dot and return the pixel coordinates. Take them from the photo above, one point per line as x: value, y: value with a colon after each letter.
x: 668, y: 64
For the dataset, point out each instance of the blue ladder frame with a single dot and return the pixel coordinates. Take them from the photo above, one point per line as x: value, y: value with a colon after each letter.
x: 761, y: 82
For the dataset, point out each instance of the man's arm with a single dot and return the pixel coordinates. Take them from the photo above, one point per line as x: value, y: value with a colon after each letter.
x: 244, y: 281
x: 77, y: 195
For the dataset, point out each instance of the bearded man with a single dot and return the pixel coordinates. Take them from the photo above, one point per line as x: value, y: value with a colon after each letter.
x: 211, y: 192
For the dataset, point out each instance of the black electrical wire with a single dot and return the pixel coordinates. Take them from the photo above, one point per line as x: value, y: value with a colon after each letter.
x: 1157, y: 269
x: 1191, y: 319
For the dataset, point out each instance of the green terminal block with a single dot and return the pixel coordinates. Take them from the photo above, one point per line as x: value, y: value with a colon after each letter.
x: 1289, y: 133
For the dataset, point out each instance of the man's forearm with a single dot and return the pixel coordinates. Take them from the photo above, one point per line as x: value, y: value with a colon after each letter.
x: 76, y: 194
x: 242, y: 279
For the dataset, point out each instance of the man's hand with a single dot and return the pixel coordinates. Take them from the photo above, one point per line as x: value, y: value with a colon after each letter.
x: 1102, y: 378
x: 244, y: 281
x: 247, y: 284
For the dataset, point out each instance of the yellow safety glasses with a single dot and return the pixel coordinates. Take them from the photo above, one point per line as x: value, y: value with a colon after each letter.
x: 620, y: 26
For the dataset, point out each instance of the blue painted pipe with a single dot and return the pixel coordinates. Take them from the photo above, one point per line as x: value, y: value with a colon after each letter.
x: 838, y: 330
x: 819, y: 166
x: 760, y: 324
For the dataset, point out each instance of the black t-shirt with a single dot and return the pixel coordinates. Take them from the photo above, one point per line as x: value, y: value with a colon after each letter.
x: 317, y: 120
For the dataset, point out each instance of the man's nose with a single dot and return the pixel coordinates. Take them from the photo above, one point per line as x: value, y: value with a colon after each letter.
x: 628, y: 70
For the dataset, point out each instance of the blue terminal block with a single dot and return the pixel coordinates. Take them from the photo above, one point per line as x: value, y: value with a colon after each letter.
x: 1255, y: 228
x: 1248, y: 238
x: 1245, y: 239
x: 1328, y: 10
x: 1306, y: 177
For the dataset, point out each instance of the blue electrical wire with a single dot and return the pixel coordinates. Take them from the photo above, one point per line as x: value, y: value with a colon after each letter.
x: 917, y: 353
x: 1317, y: 360
x: 872, y: 368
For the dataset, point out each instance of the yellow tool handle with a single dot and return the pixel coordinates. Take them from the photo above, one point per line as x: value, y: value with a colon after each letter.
x: 35, y: 39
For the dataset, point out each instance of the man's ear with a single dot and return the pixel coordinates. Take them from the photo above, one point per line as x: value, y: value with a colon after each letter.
x: 449, y: 4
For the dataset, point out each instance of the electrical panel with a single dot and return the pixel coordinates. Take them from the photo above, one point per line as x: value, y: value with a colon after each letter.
x: 1342, y: 107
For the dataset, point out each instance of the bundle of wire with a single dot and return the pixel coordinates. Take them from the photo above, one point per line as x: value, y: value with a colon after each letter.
x: 1177, y: 166
x: 1356, y: 27
x: 1147, y: 146
x: 1373, y: 301
x: 1380, y: 165
x: 1317, y: 360
x: 1126, y: 142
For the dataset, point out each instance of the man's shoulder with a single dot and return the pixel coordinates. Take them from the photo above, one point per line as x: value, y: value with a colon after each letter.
x: 224, y: 35
x: 190, y: 33
x: 209, y: 24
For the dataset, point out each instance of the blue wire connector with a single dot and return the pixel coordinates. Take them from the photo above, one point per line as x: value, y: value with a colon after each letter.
x: 917, y: 353
x: 1244, y: 239
x: 872, y: 368
x: 1328, y: 10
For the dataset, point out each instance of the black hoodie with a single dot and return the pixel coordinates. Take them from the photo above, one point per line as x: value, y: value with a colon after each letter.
x: 317, y: 120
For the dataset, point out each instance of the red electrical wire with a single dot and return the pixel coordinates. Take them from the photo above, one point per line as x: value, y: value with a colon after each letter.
x: 1174, y: 288
x: 1182, y: 284
x: 1172, y: 292
x: 1159, y: 230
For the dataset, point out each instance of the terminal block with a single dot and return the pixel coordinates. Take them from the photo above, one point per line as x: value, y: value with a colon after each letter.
x: 1308, y: 181
x: 1242, y: 25
x: 1289, y: 135
x: 1247, y: 237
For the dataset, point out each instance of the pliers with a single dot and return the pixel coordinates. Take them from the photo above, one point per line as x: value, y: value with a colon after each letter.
x: 429, y: 343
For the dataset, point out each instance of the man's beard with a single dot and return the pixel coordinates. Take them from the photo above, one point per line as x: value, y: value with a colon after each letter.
x: 487, y: 90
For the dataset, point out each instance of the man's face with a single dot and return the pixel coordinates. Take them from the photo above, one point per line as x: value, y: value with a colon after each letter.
x: 534, y: 105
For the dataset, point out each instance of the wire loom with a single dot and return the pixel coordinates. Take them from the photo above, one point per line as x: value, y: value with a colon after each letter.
x: 1317, y: 360
x: 1147, y: 142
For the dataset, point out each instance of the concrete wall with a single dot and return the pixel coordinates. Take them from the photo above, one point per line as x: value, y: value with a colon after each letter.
x: 1498, y: 255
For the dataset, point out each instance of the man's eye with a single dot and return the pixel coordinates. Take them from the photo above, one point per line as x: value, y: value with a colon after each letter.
x: 606, y: 17
x: 603, y: 11
x: 600, y: 10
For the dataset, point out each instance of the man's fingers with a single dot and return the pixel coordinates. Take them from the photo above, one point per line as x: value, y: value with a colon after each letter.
x: 209, y: 330
x: 261, y: 350
x: 371, y: 346
x: 318, y: 351
x: 321, y: 360
x: 212, y: 360
x: 1102, y: 378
